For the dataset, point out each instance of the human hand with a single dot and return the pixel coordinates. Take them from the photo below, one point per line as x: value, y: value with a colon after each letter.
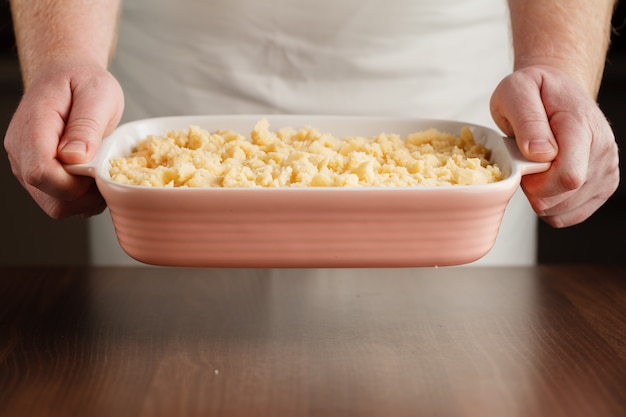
x: 61, y: 119
x: 553, y: 118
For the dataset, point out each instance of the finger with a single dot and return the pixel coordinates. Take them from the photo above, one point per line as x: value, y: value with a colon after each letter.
x: 568, y: 172
x: 89, y: 203
x: 560, y: 216
x: 547, y: 206
x: 34, y: 158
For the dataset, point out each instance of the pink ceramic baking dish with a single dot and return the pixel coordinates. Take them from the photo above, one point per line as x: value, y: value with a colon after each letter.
x: 307, y: 227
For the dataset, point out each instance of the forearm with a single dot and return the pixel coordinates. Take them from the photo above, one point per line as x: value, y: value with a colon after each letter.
x: 571, y: 35
x: 67, y: 32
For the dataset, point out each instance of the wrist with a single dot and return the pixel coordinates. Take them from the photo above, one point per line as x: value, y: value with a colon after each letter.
x: 63, y: 33
x: 587, y: 76
x: 58, y: 65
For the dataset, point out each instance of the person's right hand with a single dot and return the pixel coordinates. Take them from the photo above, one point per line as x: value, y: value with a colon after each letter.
x: 61, y: 119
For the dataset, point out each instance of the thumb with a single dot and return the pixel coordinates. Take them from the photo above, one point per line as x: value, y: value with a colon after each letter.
x: 79, y: 141
x: 535, y: 139
x: 92, y: 116
x: 519, y: 111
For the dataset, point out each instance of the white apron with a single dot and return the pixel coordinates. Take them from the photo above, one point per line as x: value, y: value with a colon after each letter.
x: 420, y: 58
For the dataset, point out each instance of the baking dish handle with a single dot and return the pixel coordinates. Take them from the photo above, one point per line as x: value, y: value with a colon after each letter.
x: 526, y: 167
x: 85, y: 170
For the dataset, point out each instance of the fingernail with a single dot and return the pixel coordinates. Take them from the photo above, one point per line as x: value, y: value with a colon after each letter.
x: 539, y: 146
x: 76, y: 147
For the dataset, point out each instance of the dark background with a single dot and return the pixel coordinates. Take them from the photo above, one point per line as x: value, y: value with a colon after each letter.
x: 30, y: 237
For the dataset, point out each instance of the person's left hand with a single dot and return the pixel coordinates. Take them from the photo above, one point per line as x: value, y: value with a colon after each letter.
x: 553, y: 118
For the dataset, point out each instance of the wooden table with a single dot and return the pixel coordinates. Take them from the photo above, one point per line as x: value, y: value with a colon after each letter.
x: 522, y: 341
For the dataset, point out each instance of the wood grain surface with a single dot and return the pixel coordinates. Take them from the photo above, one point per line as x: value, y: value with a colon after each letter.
x: 521, y: 341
